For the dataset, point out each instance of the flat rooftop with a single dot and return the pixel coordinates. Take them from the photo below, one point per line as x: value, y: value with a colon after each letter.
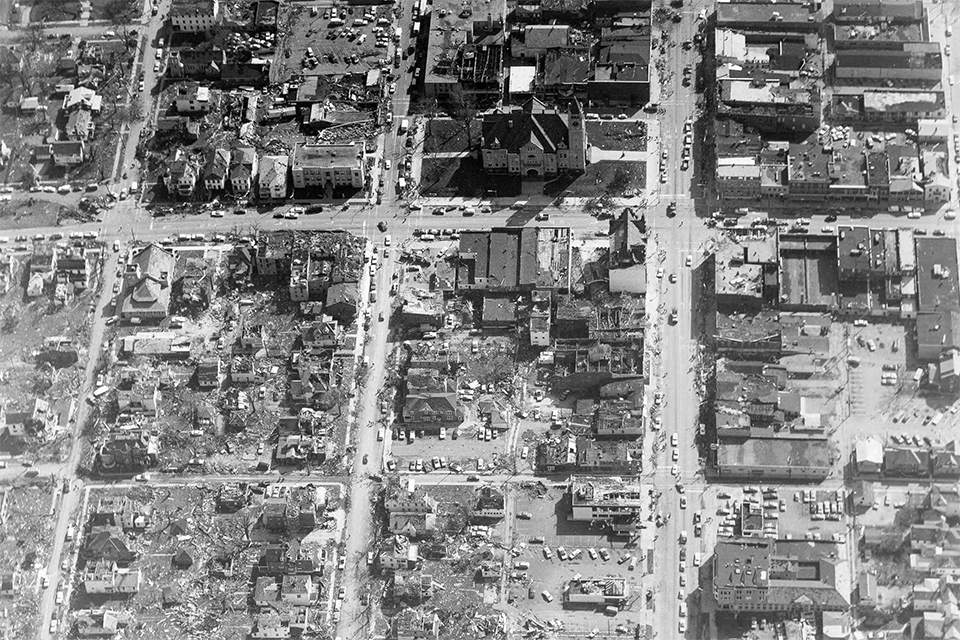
x: 774, y: 452
x: 780, y: 15
x: 327, y: 156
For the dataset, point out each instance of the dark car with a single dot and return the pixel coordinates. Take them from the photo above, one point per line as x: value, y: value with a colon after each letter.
x: 365, y: 458
x: 672, y: 210
x: 831, y: 218
x: 382, y: 226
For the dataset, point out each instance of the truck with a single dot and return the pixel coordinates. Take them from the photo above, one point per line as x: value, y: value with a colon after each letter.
x: 396, y: 34
x: 404, y: 125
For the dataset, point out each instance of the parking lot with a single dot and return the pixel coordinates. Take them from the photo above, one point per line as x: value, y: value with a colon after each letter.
x: 465, y: 450
x: 887, y: 398
x: 337, y: 39
x: 548, y: 508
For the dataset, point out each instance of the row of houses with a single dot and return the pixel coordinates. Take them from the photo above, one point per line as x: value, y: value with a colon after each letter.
x: 322, y: 167
x: 871, y: 458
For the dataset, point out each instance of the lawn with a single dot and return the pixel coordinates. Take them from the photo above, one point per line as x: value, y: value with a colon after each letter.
x: 114, y: 11
x: 446, y: 135
x: 55, y: 11
x: 616, y: 135
x: 607, y: 177
x: 464, y: 178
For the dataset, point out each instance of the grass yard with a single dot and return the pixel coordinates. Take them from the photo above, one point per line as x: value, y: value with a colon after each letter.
x: 617, y: 135
x: 65, y: 10
x: 607, y: 177
x: 464, y: 178
x: 55, y: 11
x: 36, y: 213
x: 446, y: 135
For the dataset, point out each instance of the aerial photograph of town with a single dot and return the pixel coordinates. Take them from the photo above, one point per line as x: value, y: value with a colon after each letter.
x: 479, y: 319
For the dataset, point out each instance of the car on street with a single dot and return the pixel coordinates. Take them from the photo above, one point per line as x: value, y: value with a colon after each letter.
x: 660, y: 273
x: 672, y: 209
x: 673, y: 278
x: 689, y: 261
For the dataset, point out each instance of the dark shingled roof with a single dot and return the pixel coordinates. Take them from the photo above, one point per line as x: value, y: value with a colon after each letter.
x: 512, y: 130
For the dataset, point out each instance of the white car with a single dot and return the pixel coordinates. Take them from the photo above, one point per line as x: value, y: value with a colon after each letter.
x: 674, y: 439
x: 660, y: 273
x: 914, y: 215
x: 689, y: 261
x: 675, y: 470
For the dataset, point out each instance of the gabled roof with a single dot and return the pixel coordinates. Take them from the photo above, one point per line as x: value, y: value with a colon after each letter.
x: 419, y: 403
x: 531, y: 124
x: 217, y: 165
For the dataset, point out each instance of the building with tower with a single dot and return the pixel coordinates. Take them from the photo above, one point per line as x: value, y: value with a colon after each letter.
x: 534, y: 141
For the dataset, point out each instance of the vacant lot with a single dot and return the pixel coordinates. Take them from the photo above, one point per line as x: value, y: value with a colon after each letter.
x: 616, y: 135
x: 451, y: 136
x: 26, y: 212
x: 464, y: 178
x: 607, y: 177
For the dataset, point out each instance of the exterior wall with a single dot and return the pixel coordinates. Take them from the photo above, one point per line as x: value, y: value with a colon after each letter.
x: 738, y: 188
x: 602, y: 511
x: 195, y: 22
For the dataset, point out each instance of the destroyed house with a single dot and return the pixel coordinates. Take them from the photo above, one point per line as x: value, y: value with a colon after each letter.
x: 490, y: 503
x: 400, y: 499
x: 607, y: 457
x: 120, y: 511
x: 105, y: 577
x: 618, y: 419
x: 414, y: 624
x: 100, y: 623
